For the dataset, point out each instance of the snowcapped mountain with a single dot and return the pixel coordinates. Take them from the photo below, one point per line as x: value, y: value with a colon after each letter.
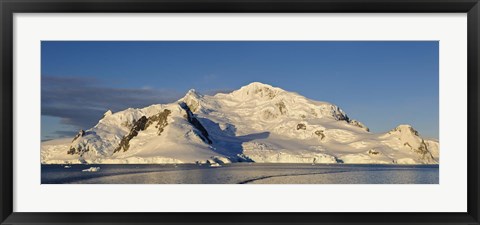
x: 257, y: 123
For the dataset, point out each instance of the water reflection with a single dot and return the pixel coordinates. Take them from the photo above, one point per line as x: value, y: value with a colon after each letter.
x: 244, y: 173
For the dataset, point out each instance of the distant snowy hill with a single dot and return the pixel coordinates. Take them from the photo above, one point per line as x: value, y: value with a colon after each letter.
x: 257, y: 123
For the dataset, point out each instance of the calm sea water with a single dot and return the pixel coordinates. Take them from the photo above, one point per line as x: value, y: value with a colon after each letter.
x: 242, y: 173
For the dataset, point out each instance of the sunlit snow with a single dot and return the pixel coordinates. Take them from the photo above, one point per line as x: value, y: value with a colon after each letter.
x: 257, y: 123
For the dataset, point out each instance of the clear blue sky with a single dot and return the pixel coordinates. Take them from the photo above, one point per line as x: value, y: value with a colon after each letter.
x: 381, y: 84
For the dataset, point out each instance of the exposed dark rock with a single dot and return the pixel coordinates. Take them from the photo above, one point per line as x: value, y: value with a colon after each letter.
x: 267, y: 114
x: 409, y: 128
x: 301, y: 126
x: 342, y: 117
x: 71, y: 151
x: 281, y: 106
x: 359, y: 124
x: 80, y: 133
x: 195, y: 123
x: 161, y: 119
x: 339, y: 115
x: 79, y: 151
x: 373, y: 152
x: 265, y: 92
x: 421, y: 150
x: 415, y: 132
x: 243, y: 158
x: 320, y: 134
x: 142, y: 124
x: 139, y: 125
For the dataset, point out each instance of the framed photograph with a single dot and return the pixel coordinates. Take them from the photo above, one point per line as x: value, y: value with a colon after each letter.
x: 233, y: 112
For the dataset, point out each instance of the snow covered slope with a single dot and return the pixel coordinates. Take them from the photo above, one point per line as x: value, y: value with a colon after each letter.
x: 257, y: 123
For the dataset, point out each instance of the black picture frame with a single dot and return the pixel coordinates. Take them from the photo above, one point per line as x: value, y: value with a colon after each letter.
x: 9, y: 7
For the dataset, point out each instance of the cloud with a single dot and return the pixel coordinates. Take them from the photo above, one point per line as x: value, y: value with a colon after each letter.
x: 59, y: 134
x: 81, y: 102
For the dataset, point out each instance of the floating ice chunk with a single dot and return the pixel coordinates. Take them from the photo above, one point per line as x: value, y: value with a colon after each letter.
x: 91, y: 169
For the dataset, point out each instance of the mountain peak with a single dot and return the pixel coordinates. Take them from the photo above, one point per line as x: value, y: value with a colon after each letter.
x: 257, y: 90
x: 192, y: 100
x: 257, y: 84
x: 257, y: 122
x: 108, y: 113
x: 192, y: 93
x: 405, y: 128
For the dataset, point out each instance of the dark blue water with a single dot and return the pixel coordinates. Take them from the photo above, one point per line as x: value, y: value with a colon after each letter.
x: 242, y: 173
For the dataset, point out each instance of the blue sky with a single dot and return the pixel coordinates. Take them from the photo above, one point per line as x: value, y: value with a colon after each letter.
x: 381, y: 84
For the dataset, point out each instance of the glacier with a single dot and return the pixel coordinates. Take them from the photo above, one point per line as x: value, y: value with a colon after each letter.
x: 257, y: 123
